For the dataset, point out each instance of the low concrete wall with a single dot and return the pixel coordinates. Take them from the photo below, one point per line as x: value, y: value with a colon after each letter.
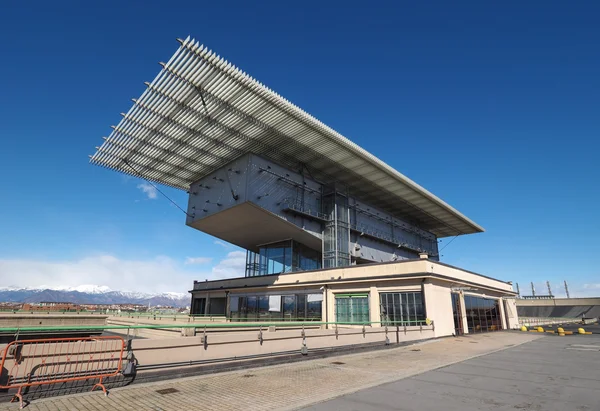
x: 562, y: 311
x: 180, y: 352
x: 248, y: 343
x: 522, y: 302
x: 535, y: 321
x: 50, y: 320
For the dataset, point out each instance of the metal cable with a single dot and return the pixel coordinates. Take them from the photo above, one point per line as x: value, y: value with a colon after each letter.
x: 156, y: 188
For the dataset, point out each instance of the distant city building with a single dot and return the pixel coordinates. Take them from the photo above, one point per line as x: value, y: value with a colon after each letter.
x: 332, y: 233
x: 10, y: 306
x: 51, y: 306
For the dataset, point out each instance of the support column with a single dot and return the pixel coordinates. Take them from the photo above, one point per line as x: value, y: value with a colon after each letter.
x: 463, y: 313
x: 374, y: 306
x: 330, y: 306
x: 438, y: 301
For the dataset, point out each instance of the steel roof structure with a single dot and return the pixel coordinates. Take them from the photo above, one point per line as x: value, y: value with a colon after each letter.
x: 201, y: 112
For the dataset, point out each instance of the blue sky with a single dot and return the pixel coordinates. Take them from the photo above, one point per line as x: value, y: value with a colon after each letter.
x: 494, y: 108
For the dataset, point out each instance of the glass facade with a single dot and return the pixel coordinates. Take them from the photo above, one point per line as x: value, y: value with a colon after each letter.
x: 483, y: 314
x: 352, y: 308
x: 282, y: 257
x: 336, y: 241
x: 292, y: 307
x: 402, y: 308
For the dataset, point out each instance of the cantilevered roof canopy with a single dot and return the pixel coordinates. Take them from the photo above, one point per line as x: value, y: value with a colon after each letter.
x: 201, y: 112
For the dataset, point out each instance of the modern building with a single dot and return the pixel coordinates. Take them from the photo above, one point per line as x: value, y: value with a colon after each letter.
x: 332, y: 233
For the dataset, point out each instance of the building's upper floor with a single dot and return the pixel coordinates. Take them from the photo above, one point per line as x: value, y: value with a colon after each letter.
x: 269, y: 209
x: 204, y: 123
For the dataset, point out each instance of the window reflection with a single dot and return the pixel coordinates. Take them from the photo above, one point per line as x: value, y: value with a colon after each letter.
x: 483, y: 314
x: 282, y: 257
x: 402, y: 308
x: 352, y: 308
x: 293, y: 307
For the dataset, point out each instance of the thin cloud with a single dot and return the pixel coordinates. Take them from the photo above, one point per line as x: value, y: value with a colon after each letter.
x: 222, y: 244
x: 160, y: 274
x: 149, y: 190
x: 234, y: 265
x: 197, y: 260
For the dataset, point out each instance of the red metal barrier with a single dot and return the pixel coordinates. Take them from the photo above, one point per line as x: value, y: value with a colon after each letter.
x: 59, y: 360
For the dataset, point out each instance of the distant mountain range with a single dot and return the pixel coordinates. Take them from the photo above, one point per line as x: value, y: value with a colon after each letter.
x: 91, y: 294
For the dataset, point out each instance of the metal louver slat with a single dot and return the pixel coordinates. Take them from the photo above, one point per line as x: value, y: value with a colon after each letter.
x: 201, y: 112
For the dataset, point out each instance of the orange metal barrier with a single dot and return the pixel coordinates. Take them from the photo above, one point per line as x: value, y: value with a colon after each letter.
x: 60, y: 360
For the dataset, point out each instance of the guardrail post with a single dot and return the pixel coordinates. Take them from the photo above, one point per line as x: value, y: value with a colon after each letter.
x: 404, y: 328
x: 387, y: 339
x: 204, y: 339
x: 397, y: 334
x: 260, y: 335
x: 304, y: 349
x: 336, y: 332
x: 364, y: 332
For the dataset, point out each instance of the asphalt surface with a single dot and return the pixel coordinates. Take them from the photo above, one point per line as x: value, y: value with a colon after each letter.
x: 552, y: 373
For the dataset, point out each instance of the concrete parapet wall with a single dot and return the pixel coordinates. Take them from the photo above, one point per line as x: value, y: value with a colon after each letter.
x: 248, y: 343
x: 50, y: 320
x: 554, y: 302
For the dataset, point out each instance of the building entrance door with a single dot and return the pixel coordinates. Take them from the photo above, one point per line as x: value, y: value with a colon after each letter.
x: 457, y: 314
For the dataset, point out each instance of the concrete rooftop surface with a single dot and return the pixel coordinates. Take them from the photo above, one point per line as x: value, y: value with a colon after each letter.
x: 493, y: 371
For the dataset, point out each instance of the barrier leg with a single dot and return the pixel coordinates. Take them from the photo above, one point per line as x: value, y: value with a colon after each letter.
x: 20, y: 397
x: 101, y: 386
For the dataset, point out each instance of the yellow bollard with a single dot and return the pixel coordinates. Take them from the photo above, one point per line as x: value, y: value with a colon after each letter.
x: 523, y: 328
x: 581, y: 331
x: 540, y: 329
x: 560, y: 330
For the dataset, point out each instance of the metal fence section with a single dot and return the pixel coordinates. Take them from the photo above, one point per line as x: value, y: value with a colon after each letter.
x: 38, y: 362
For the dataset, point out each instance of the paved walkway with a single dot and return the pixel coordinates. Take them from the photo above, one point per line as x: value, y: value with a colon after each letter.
x: 550, y: 374
x: 289, y: 386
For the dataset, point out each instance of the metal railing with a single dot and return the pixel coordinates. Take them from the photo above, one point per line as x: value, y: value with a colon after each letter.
x: 56, y: 360
x: 36, y: 362
x: 210, y: 326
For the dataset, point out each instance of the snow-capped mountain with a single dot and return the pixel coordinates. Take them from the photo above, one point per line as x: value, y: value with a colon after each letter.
x: 90, y: 294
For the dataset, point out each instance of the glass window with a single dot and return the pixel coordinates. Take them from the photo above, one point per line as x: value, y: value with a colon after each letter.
x: 263, y: 308
x: 352, y: 308
x: 282, y: 257
x: 301, y: 307
x: 483, y: 314
x: 313, y: 309
x: 289, y: 307
x: 234, y: 308
x: 402, y: 308
x: 252, y: 308
x: 242, y: 308
x: 296, y: 307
